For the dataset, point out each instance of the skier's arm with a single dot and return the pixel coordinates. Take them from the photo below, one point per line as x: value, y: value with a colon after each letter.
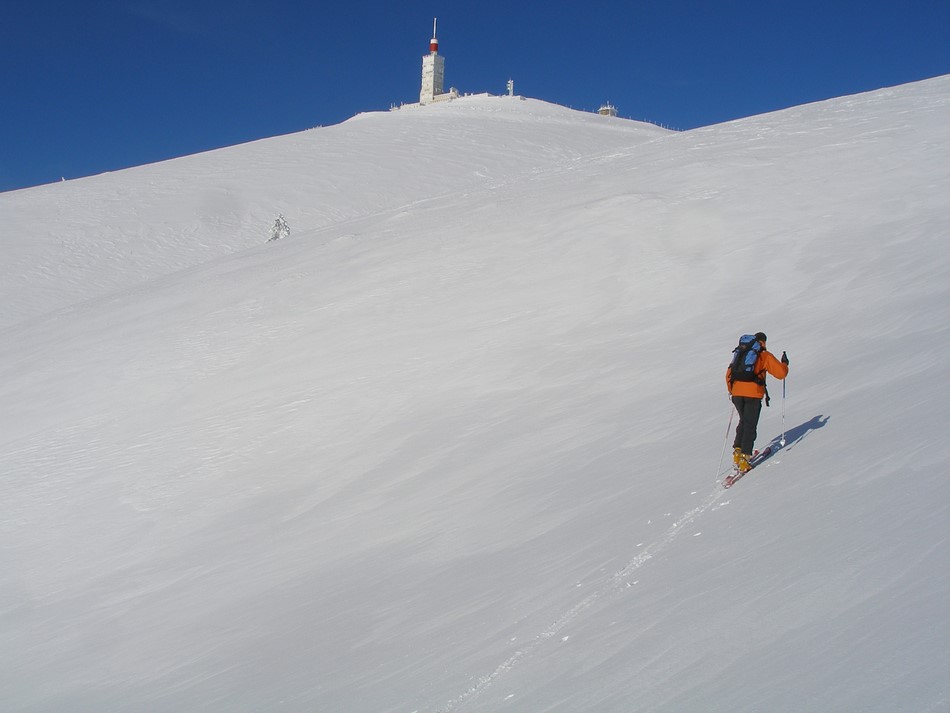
x: 774, y: 366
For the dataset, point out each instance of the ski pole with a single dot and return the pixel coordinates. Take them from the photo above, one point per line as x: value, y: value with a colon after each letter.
x: 732, y: 413
x: 782, y: 442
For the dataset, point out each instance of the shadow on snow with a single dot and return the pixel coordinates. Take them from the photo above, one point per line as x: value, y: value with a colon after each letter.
x: 795, y: 436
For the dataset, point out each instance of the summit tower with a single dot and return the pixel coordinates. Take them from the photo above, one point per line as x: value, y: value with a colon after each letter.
x: 433, y: 70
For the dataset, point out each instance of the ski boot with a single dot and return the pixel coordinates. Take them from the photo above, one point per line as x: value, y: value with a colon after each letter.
x: 743, y: 464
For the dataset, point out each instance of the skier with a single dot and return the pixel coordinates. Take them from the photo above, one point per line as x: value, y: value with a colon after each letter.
x: 747, y: 396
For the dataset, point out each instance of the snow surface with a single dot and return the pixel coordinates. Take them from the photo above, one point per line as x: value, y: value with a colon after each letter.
x: 455, y: 443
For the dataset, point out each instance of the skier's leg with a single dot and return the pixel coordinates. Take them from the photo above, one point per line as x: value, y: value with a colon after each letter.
x: 751, y: 410
x: 737, y: 402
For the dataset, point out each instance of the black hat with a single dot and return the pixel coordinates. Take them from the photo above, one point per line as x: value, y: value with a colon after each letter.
x: 760, y: 337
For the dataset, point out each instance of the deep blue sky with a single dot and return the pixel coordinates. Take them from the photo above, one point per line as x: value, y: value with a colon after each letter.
x: 97, y: 85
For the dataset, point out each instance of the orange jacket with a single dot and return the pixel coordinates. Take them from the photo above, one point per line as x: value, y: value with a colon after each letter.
x: 766, y: 363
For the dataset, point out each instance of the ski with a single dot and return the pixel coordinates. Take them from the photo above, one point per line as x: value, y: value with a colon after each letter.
x: 757, y: 457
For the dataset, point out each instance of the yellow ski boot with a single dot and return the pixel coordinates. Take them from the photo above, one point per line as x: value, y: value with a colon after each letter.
x: 743, y: 465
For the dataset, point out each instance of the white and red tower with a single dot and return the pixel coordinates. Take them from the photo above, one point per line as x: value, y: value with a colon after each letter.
x: 433, y: 70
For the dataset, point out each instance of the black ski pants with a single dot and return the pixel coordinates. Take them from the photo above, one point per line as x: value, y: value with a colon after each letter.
x: 749, y: 410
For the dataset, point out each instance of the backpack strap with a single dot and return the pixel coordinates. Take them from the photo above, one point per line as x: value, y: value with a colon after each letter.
x: 760, y: 379
x: 759, y: 376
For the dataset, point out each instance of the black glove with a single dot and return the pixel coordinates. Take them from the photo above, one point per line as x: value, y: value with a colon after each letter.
x: 784, y: 358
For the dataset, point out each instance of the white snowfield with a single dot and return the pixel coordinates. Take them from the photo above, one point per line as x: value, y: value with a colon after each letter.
x: 454, y: 444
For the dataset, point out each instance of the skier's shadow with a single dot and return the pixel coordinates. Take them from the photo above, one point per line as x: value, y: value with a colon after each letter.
x: 795, y: 435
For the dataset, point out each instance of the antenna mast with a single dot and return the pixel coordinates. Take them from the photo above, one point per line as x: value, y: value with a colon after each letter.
x: 434, y: 43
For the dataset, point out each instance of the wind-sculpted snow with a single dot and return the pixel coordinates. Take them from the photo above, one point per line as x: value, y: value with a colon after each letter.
x: 454, y: 442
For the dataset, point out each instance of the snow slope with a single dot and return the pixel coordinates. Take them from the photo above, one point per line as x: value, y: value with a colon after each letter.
x: 453, y: 444
x: 88, y: 238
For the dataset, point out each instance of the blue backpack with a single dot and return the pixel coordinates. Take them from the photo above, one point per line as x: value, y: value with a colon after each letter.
x: 744, y: 358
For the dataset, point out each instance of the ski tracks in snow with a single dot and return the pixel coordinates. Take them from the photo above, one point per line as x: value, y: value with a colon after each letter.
x: 614, y: 584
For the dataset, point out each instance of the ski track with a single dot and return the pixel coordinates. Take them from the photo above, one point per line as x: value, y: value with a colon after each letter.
x: 616, y: 583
